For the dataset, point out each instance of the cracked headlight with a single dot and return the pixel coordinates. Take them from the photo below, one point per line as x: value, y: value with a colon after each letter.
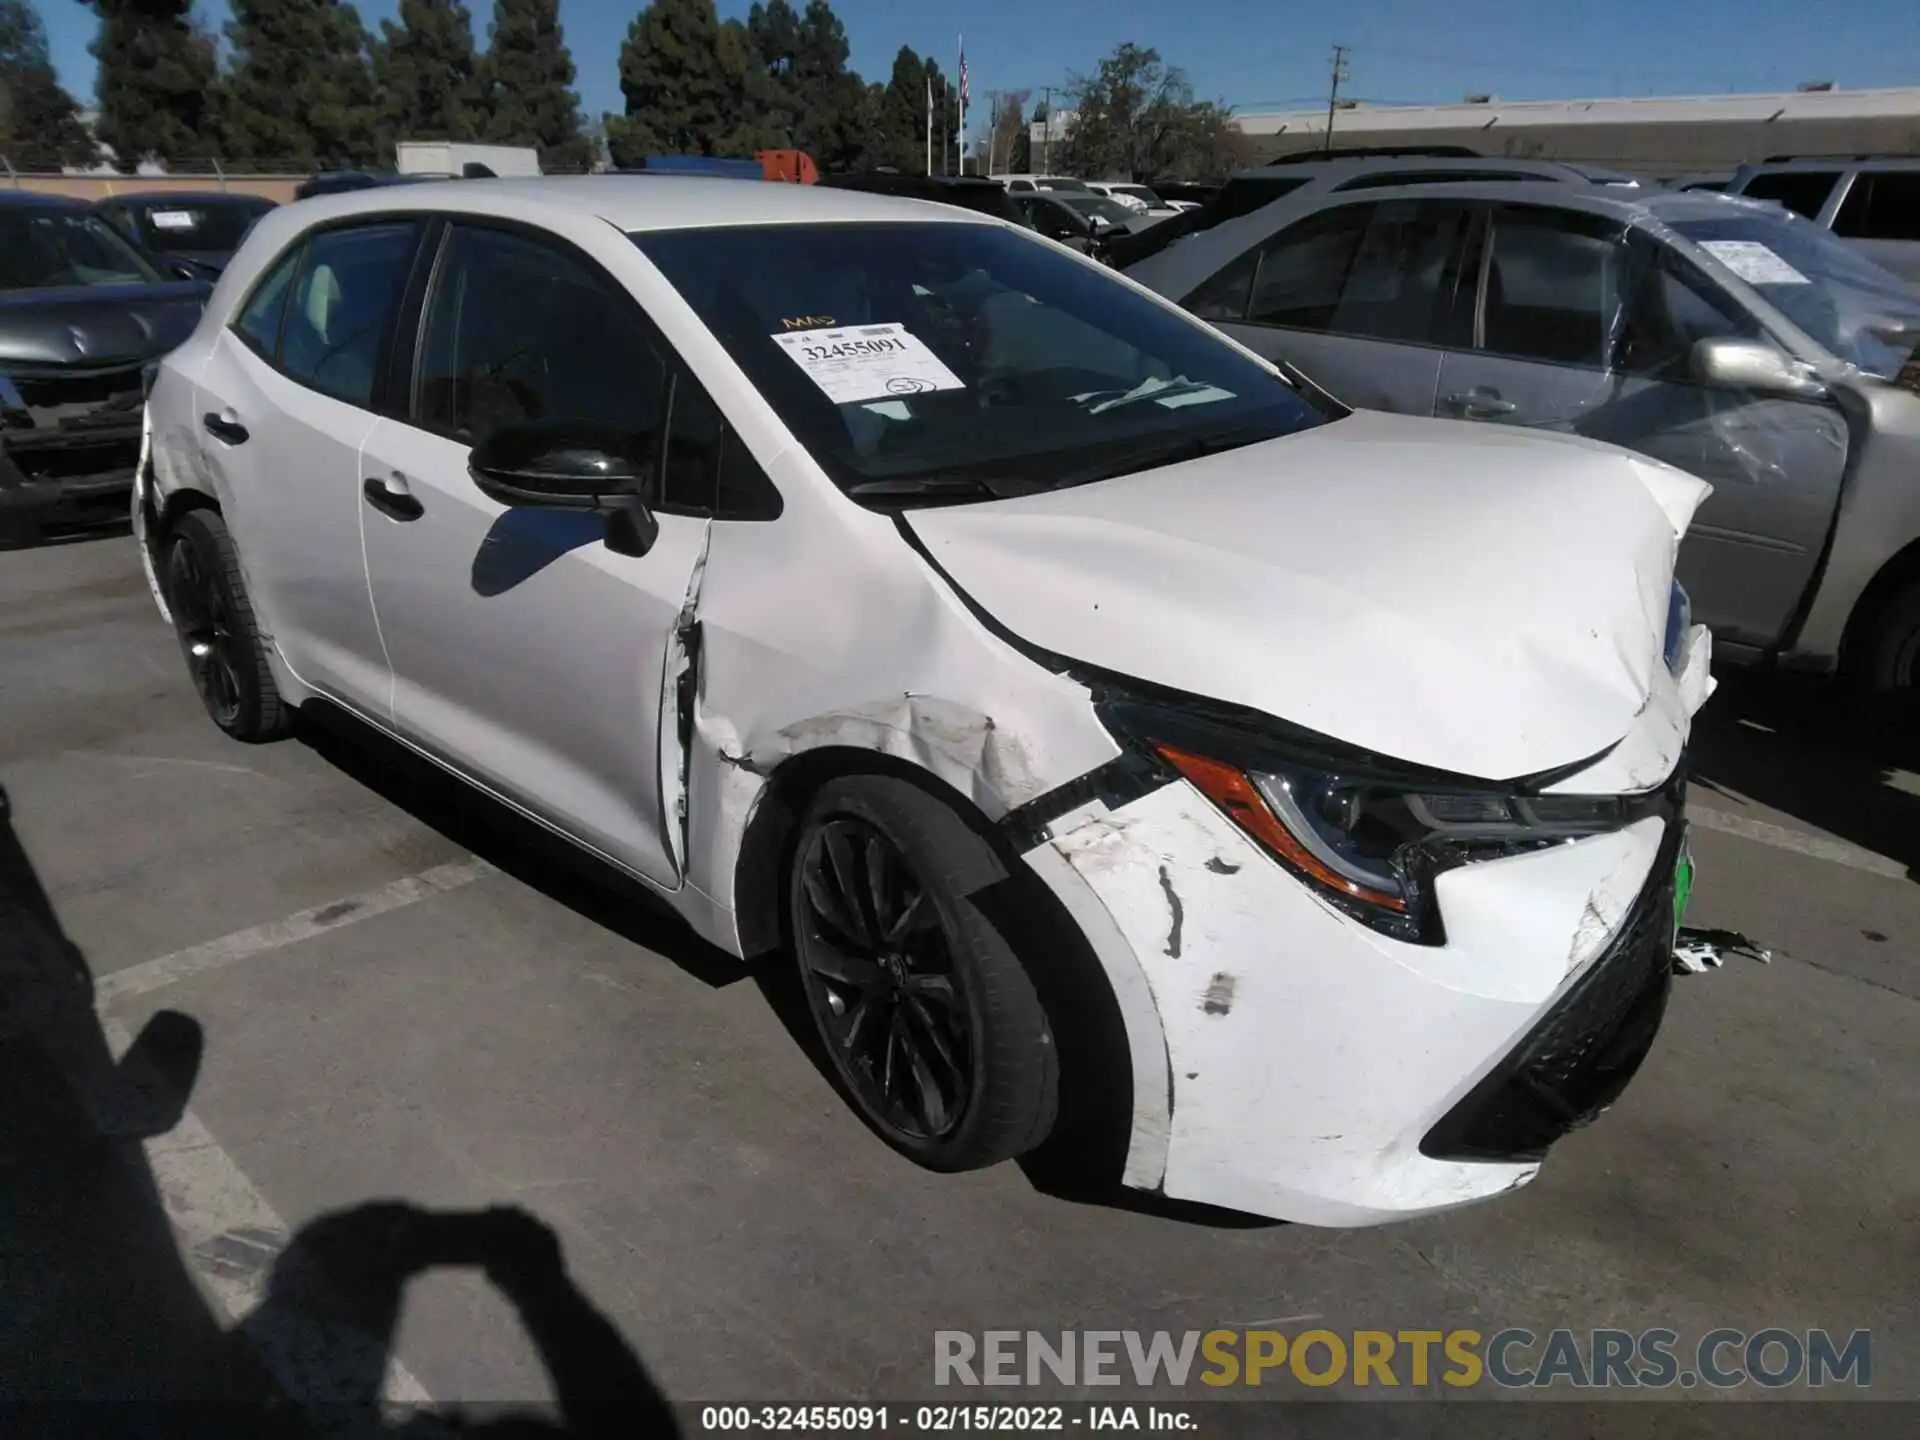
x: 1366, y: 834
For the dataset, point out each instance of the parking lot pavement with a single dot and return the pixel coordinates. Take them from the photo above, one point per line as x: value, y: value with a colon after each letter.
x: 371, y: 986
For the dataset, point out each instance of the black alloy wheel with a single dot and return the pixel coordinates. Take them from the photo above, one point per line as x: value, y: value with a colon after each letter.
x: 204, y: 621
x: 929, y: 1020
x: 880, y: 979
x: 219, y: 636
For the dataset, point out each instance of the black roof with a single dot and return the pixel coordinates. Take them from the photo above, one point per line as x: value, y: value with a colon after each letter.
x: 188, y: 197
x: 35, y: 197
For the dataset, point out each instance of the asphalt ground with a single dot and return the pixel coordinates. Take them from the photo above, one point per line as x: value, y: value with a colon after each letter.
x: 263, y: 1008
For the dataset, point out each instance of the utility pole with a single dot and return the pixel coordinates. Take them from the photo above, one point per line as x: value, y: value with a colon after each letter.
x: 1046, y: 136
x: 1333, y: 94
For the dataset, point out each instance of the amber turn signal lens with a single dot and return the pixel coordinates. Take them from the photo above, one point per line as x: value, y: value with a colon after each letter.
x: 1234, y: 793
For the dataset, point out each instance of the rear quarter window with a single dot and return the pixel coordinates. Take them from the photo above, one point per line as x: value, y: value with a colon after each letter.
x: 1804, y: 192
x: 1883, y: 205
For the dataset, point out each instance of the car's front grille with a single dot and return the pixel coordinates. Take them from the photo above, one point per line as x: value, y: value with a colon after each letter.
x: 68, y: 403
x: 1580, y: 1057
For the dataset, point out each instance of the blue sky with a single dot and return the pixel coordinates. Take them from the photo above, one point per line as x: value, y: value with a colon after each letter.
x: 1253, y: 53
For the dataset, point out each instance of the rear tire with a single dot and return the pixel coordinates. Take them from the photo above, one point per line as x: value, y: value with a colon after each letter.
x: 1889, y: 663
x: 929, y: 1020
x: 219, y: 636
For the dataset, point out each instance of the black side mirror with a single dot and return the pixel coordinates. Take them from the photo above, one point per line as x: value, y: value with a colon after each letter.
x: 572, y: 465
x: 560, y: 464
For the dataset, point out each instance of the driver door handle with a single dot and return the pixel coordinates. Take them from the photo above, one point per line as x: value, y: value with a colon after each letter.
x: 391, y: 497
x: 222, y: 427
x: 1480, y: 402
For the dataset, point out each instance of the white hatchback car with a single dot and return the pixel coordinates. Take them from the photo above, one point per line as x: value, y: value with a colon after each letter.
x: 1119, y: 733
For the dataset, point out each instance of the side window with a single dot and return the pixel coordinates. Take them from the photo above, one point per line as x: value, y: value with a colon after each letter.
x: 1801, y: 191
x: 1552, y: 286
x: 1671, y: 307
x: 1225, y: 296
x: 1304, y: 268
x: 708, y: 469
x: 1405, y: 268
x: 342, y: 306
x: 1883, y: 206
x: 518, y: 329
x: 258, y: 322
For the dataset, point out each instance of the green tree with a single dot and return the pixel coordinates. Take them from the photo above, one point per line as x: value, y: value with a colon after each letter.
x: 836, y: 118
x: 424, y: 72
x: 1136, y: 117
x: 40, y: 125
x: 155, y: 86
x: 526, y: 81
x: 299, y: 91
x: 690, y: 84
x: 774, y: 30
x: 899, y: 110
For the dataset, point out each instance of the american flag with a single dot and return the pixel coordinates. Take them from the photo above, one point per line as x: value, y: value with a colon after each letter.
x: 966, y: 96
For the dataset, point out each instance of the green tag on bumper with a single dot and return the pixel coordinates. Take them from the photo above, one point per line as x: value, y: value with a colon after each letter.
x: 1682, y: 887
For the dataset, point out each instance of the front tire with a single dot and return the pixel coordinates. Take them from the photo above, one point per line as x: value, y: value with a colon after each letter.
x: 928, y: 1018
x: 219, y: 636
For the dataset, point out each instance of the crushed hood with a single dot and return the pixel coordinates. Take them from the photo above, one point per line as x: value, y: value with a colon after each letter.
x: 1480, y: 599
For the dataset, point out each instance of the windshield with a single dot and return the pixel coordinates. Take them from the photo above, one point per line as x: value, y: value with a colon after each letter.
x: 1139, y: 192
x: 1076, y: 186
x: 44, y: 248
x: 193, y: 225
x: 1100, y: 207
x: 919, y: 361
x: 1852, y: 307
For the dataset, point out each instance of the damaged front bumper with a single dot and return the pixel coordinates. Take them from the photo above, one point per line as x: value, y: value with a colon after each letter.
x: 1316, y: 1070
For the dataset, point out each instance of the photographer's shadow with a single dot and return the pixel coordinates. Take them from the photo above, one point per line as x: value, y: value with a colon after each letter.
x: 327, y: 1324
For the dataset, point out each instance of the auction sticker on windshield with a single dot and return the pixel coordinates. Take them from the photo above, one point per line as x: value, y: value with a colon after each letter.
x: 851, y: 363
x: 1753, y: 262
x: 171, y: 219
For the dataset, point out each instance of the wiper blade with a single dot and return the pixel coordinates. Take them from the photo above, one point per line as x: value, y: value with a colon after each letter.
x: 921, y: 485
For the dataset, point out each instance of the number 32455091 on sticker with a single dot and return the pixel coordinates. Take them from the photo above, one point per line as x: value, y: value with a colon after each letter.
x: 851, y: 363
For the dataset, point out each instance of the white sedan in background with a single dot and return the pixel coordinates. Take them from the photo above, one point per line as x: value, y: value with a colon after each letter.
x: 1131, y: 746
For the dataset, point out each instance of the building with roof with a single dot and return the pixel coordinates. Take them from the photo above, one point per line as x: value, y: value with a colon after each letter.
x: 1654, y: 138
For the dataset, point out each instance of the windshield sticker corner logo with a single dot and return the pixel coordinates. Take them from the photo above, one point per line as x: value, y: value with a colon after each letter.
x: 806, y: 322
x: 868, y: 362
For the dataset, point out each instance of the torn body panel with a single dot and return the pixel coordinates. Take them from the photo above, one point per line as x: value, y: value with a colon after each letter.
x: 1307, y: 1057
x: 884, y: 660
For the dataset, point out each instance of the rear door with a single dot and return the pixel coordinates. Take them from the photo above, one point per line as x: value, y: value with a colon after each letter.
x: 525, y: 652
x: 1583, y: 327
x: 283, y: 405
x: 1355, y: 295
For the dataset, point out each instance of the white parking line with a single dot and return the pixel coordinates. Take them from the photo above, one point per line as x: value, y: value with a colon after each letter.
x: 169, y: 969
x: 230, y: 1239
x: 1781, y: 838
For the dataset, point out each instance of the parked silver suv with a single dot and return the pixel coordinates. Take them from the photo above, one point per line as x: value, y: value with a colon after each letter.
x: 1731, y: 338
x: 1871, y: 202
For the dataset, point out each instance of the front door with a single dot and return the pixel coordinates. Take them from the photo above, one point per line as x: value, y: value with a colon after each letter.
x: 525, y: 652
x: 1587, y: 329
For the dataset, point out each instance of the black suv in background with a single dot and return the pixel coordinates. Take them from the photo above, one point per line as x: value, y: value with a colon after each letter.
x: 970, y: 192
x: 192, y: 234
x: 83, y: 316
